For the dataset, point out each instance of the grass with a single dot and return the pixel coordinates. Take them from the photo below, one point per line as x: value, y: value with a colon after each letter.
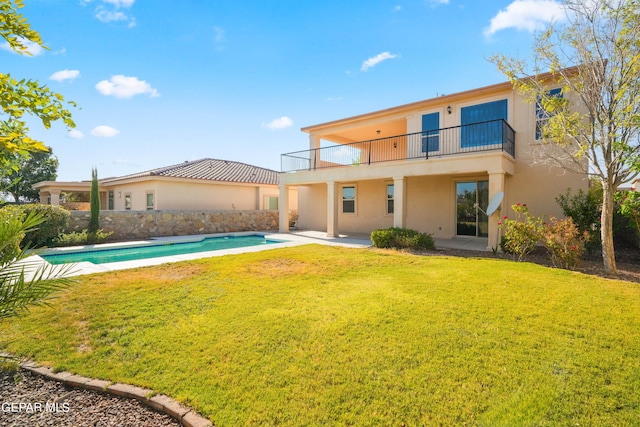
x: 319, y: 335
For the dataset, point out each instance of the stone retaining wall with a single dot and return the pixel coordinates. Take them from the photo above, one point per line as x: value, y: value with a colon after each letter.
x: 134, y: 225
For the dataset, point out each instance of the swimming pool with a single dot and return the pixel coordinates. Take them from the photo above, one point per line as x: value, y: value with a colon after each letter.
x: 155, y: 250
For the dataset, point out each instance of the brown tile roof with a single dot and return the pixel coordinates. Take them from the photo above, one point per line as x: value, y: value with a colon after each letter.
x: 211, y: 170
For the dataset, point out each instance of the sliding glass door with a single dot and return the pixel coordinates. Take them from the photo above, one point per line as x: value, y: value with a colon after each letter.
x: 471, y: 221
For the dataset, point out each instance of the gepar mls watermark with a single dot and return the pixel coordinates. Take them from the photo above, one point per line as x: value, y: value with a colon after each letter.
x: 34, y: 407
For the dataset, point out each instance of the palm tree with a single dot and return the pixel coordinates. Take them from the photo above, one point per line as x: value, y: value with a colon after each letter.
x: 24, y: 280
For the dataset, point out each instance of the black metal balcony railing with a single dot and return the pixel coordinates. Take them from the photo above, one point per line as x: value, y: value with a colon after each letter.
x: 495, y: 135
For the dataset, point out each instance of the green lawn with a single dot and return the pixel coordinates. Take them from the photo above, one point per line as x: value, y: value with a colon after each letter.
x: 318, y: 335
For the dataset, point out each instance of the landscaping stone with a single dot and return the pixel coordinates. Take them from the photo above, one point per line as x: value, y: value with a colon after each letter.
x: 132, y: 391
x: 194, y: 420
x: 169, y: 406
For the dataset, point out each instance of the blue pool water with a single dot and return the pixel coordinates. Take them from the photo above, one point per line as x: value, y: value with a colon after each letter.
x: 154, y: 250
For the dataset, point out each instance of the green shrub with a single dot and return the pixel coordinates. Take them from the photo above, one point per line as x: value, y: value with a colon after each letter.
x: 83, y: 237
x: 628, y: 205
x: 584, y: 209
x: 56, y: 220
x: 522, y: 234
x: 402, y: 238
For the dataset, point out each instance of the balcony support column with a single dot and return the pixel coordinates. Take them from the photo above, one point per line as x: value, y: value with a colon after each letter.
x: 399, y: 202
x: 332, y: 210
x: 283, y: 206
x: 496, y: 185
x: 55, y: 197
x: 314, y: 145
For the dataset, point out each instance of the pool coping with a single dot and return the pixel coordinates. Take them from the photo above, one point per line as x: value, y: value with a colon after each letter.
x: 286, y: 240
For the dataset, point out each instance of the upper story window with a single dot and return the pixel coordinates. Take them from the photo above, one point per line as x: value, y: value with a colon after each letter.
x: 349, y: 199
x: 542, y: 116
x: 481, y: 125
x: 430, y: 132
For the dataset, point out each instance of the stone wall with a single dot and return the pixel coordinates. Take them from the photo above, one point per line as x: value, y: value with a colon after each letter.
x: 134, y: 225
x: 76, y: 206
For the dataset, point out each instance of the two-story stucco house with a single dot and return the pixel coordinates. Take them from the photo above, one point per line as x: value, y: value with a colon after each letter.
x: 432, y: 165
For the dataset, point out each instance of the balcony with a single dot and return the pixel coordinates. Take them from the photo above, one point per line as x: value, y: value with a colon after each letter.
x: 494, y: 135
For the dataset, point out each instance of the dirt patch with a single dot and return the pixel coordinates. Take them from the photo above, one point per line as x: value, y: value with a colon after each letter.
x: 627, y: 260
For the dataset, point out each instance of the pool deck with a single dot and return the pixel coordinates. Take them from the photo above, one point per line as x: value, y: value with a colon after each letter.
x: 289, y: 240
x: 292, y: 239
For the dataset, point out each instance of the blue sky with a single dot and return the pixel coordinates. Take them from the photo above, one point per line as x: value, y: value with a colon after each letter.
x: 159, y: 82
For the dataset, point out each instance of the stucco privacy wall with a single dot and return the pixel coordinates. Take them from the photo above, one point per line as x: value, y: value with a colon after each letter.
x: 127, y: 225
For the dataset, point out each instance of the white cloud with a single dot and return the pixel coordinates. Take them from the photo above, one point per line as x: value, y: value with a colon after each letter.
x: 75, y: 134
x: 112, y: 13
x: 120, y: 3
x: 280, y: 123
x: 110, y: 16
x: 34, y: 49
x: 437, y: 2
x: 60, y: 76
x: 104, y: 131
x: 218, y: 34
x: 125, y: 87
x: 528, y: 15
x: 373, y: 61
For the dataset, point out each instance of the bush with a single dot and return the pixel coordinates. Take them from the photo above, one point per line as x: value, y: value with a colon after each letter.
x: 56, y: 220
x: 11, y: 234
x: 402, y: 238
x: 564, y: 242
x: 628, y: 206
x: 584, y: 209
x: 81, y: 238
x: 522, y: 234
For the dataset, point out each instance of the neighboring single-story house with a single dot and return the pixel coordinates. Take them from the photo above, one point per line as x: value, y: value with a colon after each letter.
x: 206, y: 184
x: 432, y: 165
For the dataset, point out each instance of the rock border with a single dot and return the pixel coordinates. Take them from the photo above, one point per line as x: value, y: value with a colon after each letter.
x: 158, y: 402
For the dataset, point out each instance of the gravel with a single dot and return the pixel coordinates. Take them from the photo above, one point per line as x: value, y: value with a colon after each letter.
x: 29, y: 400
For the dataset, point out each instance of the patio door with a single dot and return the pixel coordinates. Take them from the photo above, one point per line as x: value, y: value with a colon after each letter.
x: 471, y: 221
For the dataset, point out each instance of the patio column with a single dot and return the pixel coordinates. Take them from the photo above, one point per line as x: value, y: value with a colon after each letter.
x: 496, y: 185
x: 314, y: 143
x: 332, y: 210
x: 283, y: 206
x: 55, y: 197
x: 44, y: 197
x: 399, y: 202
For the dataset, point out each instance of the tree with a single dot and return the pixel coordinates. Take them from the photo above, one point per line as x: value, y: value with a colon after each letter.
x: 23, y: 281
x: 94, y: 204
x: 593, y: 124
x: 39, y: 166
x: 20, y: 97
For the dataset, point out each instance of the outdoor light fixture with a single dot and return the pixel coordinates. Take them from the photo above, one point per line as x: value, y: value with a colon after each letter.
x: 395, y: 145
x: 378, y: 131
x: 449, y: 109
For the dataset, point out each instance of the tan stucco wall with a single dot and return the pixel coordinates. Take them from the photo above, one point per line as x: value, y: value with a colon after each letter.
x: 187, y: 196
x: 313, y: 211
x: 194, y: 195
x: 431, y: 205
